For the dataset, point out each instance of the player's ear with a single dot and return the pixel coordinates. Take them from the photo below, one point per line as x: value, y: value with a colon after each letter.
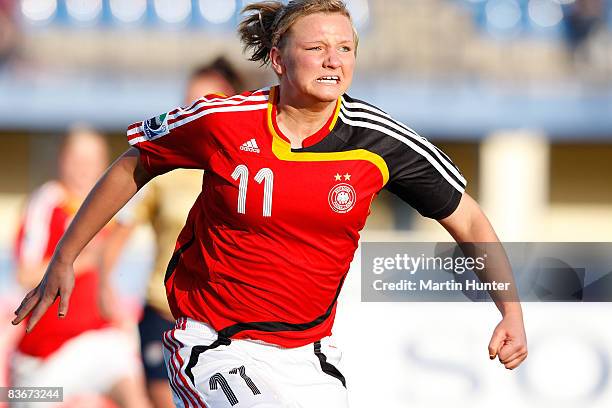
x: 276, y: 61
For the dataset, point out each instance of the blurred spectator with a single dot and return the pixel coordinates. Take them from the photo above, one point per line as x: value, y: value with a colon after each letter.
x: 583, y: 17
x: 83, y: 352
x: 8, y: 30
x: 165, y: 204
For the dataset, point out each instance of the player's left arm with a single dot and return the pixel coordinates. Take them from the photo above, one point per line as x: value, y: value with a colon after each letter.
x: 468, y: 223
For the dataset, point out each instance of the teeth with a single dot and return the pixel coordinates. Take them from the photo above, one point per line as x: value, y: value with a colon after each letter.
x: 328, y: 79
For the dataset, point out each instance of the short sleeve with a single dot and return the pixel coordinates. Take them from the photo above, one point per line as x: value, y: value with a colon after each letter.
x: 179, y: 138
x: 425, y: 178
x: 42, y: 226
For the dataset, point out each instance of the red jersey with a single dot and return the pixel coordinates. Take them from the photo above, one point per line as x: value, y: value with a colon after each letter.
x: 47, y: 216
x: 269, y: 241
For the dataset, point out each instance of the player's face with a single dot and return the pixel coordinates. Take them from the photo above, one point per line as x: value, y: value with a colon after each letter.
x: 316, y: 62
x: 82, y: 162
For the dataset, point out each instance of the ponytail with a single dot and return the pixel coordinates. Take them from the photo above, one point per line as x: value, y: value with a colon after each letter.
x: 266, y: 22
x: 256, y: 29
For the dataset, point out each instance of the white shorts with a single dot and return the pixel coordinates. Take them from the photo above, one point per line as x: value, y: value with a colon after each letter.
x: 90, y: 363
x: 206, y: 371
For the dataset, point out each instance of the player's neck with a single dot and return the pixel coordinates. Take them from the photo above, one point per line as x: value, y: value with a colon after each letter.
x: 298, y: 122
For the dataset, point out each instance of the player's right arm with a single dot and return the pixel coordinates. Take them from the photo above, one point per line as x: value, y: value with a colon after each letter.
x: 180, y: 138
x: 120, y: 182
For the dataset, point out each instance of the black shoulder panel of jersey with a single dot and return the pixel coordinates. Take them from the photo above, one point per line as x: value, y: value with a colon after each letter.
x: 419, y: 173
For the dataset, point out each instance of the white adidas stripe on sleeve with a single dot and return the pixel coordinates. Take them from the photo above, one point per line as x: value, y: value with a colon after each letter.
x: 442, y: 170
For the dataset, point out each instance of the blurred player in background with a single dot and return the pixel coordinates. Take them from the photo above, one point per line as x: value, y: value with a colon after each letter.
x: 9, y: 33
x: 164, y: 205
x: 83, y: 352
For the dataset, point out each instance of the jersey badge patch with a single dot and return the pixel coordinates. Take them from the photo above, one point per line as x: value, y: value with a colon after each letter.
x: 156, y: 126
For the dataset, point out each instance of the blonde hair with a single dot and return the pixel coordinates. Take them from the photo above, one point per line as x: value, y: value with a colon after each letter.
x: 267, y: 22
x: 79, y: 132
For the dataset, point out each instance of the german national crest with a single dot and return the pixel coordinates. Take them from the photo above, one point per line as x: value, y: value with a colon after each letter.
x: 342, y: 198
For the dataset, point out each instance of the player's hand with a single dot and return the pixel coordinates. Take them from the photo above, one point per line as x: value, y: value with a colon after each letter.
x: 509, y: 342
x: 57, y: 282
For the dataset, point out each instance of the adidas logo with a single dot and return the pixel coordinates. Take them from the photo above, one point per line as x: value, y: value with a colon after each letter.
x: 250, y: 146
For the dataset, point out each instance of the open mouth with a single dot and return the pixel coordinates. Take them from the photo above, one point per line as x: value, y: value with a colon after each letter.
x: 332, y: 79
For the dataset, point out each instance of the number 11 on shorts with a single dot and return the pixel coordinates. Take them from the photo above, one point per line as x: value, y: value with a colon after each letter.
x: 218, y: 380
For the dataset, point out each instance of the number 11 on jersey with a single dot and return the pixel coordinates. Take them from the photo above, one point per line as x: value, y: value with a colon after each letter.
x: 265, y: 175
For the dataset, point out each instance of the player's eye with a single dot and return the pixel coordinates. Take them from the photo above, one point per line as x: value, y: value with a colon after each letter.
x: 345, y: 49
x: 315, y: 48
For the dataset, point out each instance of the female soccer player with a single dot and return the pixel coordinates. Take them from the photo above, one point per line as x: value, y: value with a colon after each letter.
x: 84, y: 353
x: 290, y: 173
x: 165, y: 204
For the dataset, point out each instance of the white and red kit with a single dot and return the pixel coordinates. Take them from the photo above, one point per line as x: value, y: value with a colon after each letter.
x: 48, y: 213
x: 83, y: 353
x: 268, y: 242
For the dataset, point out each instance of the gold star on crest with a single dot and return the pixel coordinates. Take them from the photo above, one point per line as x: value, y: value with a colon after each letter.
x: 347, y: 177
x: 338, y: 177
